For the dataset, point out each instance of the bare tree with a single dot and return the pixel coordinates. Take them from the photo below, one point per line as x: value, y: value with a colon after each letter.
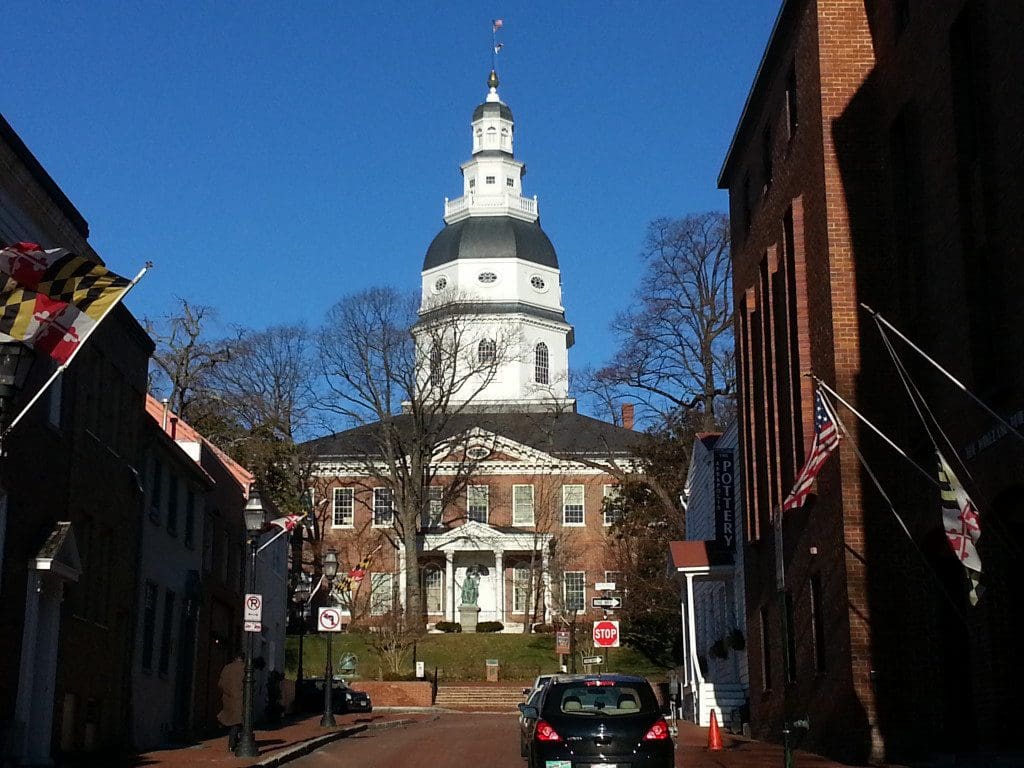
x: 412, y: 380
x: 676, y: 346
x: 185, y: 356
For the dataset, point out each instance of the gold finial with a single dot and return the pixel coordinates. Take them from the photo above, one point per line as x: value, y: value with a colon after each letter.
x: 492, y: 80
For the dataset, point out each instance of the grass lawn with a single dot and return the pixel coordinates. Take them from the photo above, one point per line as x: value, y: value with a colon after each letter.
x: 462, y: 656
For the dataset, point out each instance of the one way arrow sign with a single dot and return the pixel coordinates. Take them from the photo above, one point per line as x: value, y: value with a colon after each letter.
x: 607, y: 602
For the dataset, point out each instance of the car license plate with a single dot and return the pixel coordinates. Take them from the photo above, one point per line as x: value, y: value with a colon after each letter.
x: 604, y: 765
x: 557, y: 764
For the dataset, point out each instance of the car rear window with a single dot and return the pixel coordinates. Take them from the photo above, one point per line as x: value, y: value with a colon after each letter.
x: 605, y: 698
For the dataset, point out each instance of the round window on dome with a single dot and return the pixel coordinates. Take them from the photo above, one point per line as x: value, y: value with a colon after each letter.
x: 487, y: 278
x: 538, y: 283
x: 440, y: 284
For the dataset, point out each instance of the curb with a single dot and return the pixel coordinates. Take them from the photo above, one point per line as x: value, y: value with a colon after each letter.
x: 311, y: 745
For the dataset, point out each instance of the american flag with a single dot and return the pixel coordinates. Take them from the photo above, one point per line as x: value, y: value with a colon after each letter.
x: 497, y: 24
x: 826, y: 440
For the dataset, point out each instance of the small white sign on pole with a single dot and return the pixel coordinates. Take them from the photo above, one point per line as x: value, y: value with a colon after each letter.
x: 329, y: 620
x: 605, y: 586
x: 253, y: 608
x: 421, y: 670
x: 252, y: 626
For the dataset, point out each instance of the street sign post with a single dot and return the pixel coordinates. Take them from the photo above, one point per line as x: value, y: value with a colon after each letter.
x: 605, y: 586
x: 252, y: 626
x: 593, y: 660
x: 253, y: 608
x: 606, y: 634
x: 610, y: 603
x: 329, y: 620
x: 563, y: 645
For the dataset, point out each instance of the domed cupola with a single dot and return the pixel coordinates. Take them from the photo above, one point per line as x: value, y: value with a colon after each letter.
x: 494, y: 261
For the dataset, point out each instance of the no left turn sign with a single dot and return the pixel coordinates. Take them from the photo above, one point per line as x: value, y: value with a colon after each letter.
x: 329, y: 620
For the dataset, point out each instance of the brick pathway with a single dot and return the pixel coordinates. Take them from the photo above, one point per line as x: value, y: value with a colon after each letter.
x: 213, y: 752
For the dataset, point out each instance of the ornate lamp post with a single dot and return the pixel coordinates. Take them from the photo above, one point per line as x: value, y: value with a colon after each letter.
x: 330, y: 568
x: 300, y: 596
x: 254, y: 521
x: 15, y: 361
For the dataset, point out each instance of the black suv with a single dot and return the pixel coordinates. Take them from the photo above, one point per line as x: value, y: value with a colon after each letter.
x: 597, y: 721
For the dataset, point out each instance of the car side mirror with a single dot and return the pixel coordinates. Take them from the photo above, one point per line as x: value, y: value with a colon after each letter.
x: 528, y: 711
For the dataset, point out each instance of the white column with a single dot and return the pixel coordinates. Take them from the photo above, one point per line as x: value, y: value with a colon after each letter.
x: 696, y: 675
x: 449, y: 585
x: 547, y: 582
x: 401, y: 577
x: 499, y: 567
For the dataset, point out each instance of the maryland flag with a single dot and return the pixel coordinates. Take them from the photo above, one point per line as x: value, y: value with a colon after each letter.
x: 355, y: 575
x: 52, y: 300
x: 963, y: 526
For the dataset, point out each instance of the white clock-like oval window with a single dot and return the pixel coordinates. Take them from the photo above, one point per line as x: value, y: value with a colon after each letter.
x: 440, y: 284
x: 478, y: 452
x: 538, y: 283
x: 487, y: 278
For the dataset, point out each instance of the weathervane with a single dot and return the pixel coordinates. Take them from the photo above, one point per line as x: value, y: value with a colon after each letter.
x: 496, y: 47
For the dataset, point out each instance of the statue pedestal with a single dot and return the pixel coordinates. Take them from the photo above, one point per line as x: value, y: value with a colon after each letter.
x: 468, y: 615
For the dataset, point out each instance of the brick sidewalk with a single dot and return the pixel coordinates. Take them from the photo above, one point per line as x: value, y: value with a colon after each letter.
x: 213, y: 752
x: 738, y: 752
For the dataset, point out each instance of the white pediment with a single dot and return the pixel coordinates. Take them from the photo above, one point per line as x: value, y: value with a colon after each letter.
x: 59, y: 554
x: 476, y: 536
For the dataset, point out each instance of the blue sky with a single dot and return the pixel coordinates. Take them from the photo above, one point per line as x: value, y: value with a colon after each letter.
x: 271, y: 158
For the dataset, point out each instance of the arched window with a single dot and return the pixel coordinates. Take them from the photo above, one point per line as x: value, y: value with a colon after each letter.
x: 492, y: 137
x: 487, y: 351
x: 436, y: 376
x: 521, y: 587
x: 433, y: 589
x: 541, y: 371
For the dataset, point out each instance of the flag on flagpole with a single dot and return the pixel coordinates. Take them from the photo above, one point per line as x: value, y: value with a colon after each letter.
x: 496, y: 24
x: 53, y: 299
x: 826, y: 440
x: 288, y: 522
x: 498, y: 47
x: 357, y: 574
x: 963, y: 526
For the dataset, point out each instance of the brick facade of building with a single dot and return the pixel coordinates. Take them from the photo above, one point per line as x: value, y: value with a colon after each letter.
x: 878, y: 159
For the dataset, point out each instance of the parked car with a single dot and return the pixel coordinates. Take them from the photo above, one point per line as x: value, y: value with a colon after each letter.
x: 309, y: 697
x: 610, y: 720
x: 526, y: 724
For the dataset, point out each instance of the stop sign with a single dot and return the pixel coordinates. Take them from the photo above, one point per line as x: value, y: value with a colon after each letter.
x: 606, y: 634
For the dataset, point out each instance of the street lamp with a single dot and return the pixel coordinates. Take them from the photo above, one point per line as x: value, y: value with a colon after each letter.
x: 15, y: 361
x: 254, y: 521
x: 300, y: 597
x: 330, y: 568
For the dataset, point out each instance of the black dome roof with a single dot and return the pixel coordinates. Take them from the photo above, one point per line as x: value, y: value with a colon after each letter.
x: 492, y: 108
x: 488, y: 237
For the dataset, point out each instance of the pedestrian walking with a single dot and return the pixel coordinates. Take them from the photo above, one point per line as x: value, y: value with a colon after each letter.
x: 230, y: 684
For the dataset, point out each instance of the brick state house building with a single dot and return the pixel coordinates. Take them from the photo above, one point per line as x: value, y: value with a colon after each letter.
x: 530, y: 521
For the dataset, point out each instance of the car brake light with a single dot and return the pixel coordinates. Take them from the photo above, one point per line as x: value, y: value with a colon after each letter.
x: 546, y: 733
x: 598, y: 683
x: 657, y: 732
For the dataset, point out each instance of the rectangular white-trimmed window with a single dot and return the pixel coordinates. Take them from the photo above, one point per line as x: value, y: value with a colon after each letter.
x: 489, y: 180
x: 509, y: 182
x: 614, y: 514
x: 574, y: 590
x: 522, y: 505
x: 344, y: 508
x: 382, y: 593
x: 477, y: 502
x: 572, y: 505
x: 434, y: 512
x: 521, y: 587
x: 383, y: 507
x: 433, y: 588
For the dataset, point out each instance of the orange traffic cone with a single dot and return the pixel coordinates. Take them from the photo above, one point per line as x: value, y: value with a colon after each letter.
x: 714, y: 735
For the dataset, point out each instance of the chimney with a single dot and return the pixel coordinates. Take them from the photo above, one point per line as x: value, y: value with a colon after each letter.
x: 627, y: 415
x: 163, y: 422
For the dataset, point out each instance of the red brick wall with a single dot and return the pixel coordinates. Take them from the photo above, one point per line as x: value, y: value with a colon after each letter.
x: 397, y: 694
x: 909, y: 667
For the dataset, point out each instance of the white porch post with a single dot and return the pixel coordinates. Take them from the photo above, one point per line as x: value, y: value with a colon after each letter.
x: 684, y: 620
x: 696, y: 677
x: 401, y: 577
x: 499, y: 567
x: 546, y: 576
x: 449, y: 583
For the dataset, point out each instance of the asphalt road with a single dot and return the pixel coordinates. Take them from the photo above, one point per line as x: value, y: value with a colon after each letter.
x: 455, y: 740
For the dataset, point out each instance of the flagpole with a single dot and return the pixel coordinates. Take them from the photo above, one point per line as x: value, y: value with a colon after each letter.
x: 272, y: 539
x: 876, y: 430
x: 63, y: 366
x: 879, y: 319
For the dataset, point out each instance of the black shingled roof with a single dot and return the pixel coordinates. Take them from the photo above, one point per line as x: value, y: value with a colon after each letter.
x: 561, y: 434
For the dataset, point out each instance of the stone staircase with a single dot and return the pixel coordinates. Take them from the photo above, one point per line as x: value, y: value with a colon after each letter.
x: 480, y: 698
x: 727, y: 699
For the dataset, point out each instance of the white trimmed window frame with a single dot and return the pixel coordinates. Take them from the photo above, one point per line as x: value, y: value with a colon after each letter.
x: 521, y: 587
x: 433, y: 589
x: 380, y: 495
x: 580, y: 589
x: 339, y: 505
x: 474, y: 495
x: 520, y: 505
x: 382, y: 593
x: 567, y: 490
x: 609, y: 490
